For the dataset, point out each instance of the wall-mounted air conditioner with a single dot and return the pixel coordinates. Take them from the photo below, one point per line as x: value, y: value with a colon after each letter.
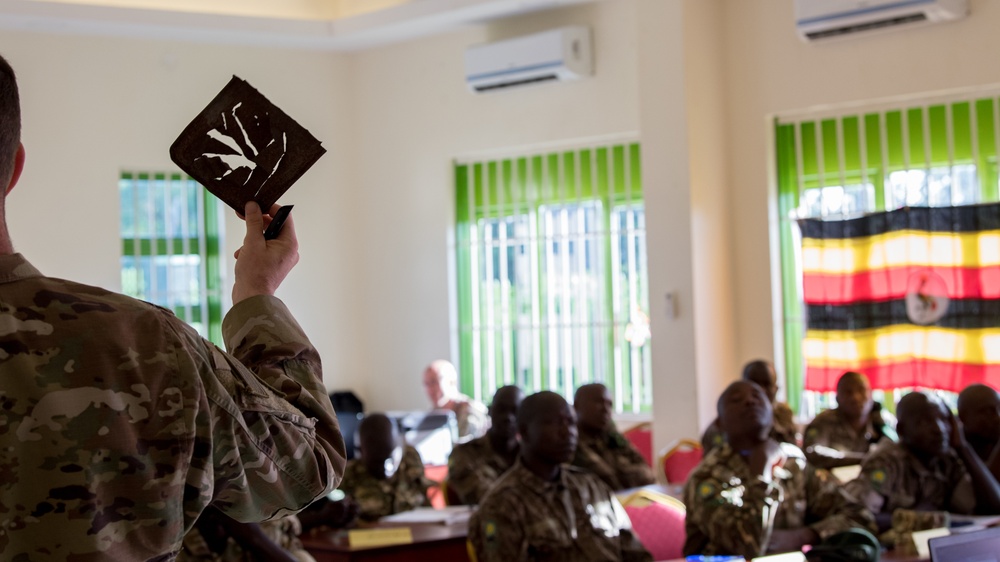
x: 551, y: 56
x: 818, y: 20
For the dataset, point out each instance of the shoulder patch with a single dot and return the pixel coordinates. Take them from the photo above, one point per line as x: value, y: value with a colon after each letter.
x: 706, y: 490
x: 490, y: 532
x: 878, y: 478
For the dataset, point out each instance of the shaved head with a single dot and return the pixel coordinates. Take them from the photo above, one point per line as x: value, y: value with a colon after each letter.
x: 979, y: 410
x: 924, y: 424
x: 761, y: 372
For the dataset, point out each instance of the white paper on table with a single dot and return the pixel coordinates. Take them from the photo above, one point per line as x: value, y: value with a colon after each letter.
x: 445, y: 516
x: 920, y: 539
x: 786, y: 557
x: 846, y: 473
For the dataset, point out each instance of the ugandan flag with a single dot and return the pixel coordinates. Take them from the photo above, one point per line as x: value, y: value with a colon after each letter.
x: 909, y: 297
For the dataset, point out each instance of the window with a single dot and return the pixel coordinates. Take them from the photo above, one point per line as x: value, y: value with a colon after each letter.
x: 171, y: 241
x: 868, y: 202
x: 552, y: 281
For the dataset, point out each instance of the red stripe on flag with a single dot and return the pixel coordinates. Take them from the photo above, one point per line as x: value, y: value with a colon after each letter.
x: 918, y: 372
x: 891, y: 283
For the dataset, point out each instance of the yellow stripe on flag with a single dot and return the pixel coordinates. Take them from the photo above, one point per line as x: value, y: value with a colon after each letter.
x: 898, y: 249
x: 848, y: 349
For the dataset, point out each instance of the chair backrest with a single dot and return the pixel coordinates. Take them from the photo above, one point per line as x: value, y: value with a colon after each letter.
x: 679, y: 459
x: 641, y: 437
x: 658, y: 523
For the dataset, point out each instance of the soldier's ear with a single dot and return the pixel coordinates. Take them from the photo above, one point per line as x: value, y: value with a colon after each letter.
x: 18, y: 167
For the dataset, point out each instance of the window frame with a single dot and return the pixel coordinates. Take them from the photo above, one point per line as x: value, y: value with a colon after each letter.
x: 528, y: 186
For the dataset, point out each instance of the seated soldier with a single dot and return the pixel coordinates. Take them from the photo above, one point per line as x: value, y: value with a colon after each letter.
x: 542, y: 509
x: 761, y: 373
x: 386, y: 478
x: 842, y: 436
x: 932, y: 468
x: 441, y: 385
x: 979, y: 411
x: 474, y: 466
x: 754, y: 495
x: 601, y: 449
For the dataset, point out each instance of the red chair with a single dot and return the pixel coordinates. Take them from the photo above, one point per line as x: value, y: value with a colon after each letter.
x: 680, y: 459
x: 658, y: 523
x: 641, y: 436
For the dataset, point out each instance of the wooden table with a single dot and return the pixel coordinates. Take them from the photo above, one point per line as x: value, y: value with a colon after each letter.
x: 431, y: 541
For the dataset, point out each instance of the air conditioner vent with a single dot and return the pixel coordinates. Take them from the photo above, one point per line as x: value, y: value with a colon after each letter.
x: 830, y: 20
x: 532, y: 80
x: 867, y: 26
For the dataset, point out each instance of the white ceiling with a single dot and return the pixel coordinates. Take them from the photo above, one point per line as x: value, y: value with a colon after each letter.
x: 313, y: 24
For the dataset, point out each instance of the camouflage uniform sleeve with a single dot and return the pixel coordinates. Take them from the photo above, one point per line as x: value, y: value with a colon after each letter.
x: 588, y: 459
x: 273, y: 438
x: 873, y: 486
x: 726, y: 516
x: 831, y: 507
x: 817, y: 434
x: 464, y: 478
x: 496, y: 533
x: 417, y: 482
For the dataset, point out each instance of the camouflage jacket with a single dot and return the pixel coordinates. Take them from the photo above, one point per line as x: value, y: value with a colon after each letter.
x: 891, y: 478
x: 404, y: 490
x: 471, y: 417
x: 473, y: 468
x: 574, y: 519
x: 119, y: 424
x: 613, y: 459
x: 783, y: 430
x: 829, y: 430
x: 731, y: 511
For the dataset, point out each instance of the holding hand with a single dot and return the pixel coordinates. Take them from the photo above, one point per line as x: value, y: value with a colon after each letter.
x: 261, y: 265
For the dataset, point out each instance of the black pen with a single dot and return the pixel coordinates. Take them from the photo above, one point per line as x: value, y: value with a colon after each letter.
x: 277, y: 222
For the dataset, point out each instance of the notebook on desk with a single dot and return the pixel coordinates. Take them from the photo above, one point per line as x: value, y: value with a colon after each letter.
x: 976, y: 546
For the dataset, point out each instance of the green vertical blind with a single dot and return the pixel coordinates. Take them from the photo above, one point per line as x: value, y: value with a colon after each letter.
x: 171, y: 242
x: 552, y: 274
x: 934, y: 154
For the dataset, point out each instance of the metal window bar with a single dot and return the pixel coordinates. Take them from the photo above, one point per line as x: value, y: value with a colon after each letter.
x: 541, y: 281
x: 161, y: 241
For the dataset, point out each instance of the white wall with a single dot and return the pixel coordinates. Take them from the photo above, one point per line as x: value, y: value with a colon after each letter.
x: 769, y: 70
x: 93, y: 107
x: 415, y: 116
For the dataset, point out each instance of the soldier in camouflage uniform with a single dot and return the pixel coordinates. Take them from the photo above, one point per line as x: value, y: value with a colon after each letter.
x: 119, y: 425
x: 754, y: 495
x: 843, y: 436
x: 601, y: 449
x: 441, y: 384
x: 783, y: 429
x: 544, y: 510
x: 474, y: 466
x: 932, y: 468
x: 386, y: 478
